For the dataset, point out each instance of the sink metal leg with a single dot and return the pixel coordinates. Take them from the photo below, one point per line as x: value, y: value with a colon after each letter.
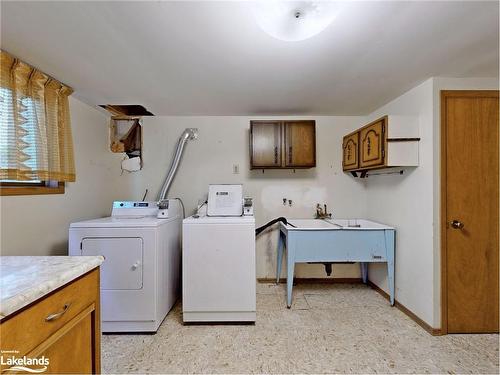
x: 290, y: 255
x: 279, y: 259
x: 364, y: 271
x: 389, y: 243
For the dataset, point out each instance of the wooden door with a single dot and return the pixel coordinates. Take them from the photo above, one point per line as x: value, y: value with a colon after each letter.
x: 469, y: 212
x: 350, y: 152
x: 372, y: 143
x: 265, y: 144
x: 300, y: 144
x: 72, y: 349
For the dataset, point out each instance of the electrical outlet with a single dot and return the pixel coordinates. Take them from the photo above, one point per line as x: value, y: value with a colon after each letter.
x: 236, y: 169
x: 284, y: 201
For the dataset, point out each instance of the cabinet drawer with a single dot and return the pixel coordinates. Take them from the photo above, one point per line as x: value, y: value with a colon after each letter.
x: 28, y: 328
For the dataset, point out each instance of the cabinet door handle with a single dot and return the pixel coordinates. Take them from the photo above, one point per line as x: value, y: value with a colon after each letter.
x: 57, y: 315
x: 290, y: 154
x: 275, y: 154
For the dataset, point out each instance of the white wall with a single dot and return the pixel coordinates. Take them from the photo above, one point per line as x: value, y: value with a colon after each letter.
x: 406, y: 202
x: 38, y: 224
x: 411, y: 202
x: 222, y: 142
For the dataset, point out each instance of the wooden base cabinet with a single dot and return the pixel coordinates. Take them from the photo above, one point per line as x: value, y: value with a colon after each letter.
x: 277, y: 144
x: 63, y: 327
x: 391, y: 141
x: 71, y: 351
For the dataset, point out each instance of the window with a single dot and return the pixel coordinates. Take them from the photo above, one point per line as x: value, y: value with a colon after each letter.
x: 36, y: 153
x: 12, y: 187
x: 18, y: 187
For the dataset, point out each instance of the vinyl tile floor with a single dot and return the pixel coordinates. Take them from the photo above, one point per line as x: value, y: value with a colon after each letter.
x: 331, y: 328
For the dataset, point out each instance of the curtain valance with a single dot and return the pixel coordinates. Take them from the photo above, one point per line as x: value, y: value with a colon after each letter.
x: 36, y: 141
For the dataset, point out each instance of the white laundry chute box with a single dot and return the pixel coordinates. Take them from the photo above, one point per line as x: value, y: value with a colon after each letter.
x: 225, y: 200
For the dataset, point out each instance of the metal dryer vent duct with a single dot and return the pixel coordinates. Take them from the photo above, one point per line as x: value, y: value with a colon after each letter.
x: 188, y: 134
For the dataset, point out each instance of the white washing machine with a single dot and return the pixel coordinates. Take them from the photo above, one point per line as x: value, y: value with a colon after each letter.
x: 140, y: 276
x: 218, y: 269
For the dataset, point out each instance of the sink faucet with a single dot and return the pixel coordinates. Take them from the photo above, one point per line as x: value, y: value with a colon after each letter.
x: 322, y: 213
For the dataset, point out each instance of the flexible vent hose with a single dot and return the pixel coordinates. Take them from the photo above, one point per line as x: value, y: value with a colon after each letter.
x: 187, y: 135
x: 272, y: 222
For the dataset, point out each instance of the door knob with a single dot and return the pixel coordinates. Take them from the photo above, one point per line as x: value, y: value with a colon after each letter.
x: 455, y: 224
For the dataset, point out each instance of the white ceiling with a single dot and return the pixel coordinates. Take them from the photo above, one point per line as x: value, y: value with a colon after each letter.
x: 211, y: 58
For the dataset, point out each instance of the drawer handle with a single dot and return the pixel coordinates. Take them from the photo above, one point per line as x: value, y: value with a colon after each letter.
x: 57, y: 315
x: 377, y: 256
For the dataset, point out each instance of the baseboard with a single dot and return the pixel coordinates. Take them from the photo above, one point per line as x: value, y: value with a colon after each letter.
x: 408, y: 312
x: 314, y: 280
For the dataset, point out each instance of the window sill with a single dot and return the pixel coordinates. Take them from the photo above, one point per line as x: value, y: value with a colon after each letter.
x: 6, y: 190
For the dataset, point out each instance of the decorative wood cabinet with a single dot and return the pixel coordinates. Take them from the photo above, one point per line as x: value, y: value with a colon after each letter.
x: 372, y: 144
x: 282, y: 144
x: 391, y: 141
x: 63, y: 326
x: 350, y: 151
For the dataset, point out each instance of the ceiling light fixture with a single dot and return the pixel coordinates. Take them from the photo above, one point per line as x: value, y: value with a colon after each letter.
x: 294, y: 20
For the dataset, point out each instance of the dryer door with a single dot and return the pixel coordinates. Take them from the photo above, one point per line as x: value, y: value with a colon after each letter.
x: 122, y: 268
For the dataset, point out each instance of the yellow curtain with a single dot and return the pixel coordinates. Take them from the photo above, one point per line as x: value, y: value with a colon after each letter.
x: 35, y: 129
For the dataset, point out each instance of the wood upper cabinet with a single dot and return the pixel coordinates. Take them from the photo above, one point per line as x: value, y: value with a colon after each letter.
x: 372, y: 142
x: 350, y: 151
x: 282, y: 144
x: 265, y: 144
x: 300, y: 144
x: 391, y: 141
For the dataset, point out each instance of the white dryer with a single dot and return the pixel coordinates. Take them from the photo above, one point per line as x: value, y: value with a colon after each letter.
x: 140, y: 276
x: 218, y: 269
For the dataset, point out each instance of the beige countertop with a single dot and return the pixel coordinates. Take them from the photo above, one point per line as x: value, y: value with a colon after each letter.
x: 24, y: 279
